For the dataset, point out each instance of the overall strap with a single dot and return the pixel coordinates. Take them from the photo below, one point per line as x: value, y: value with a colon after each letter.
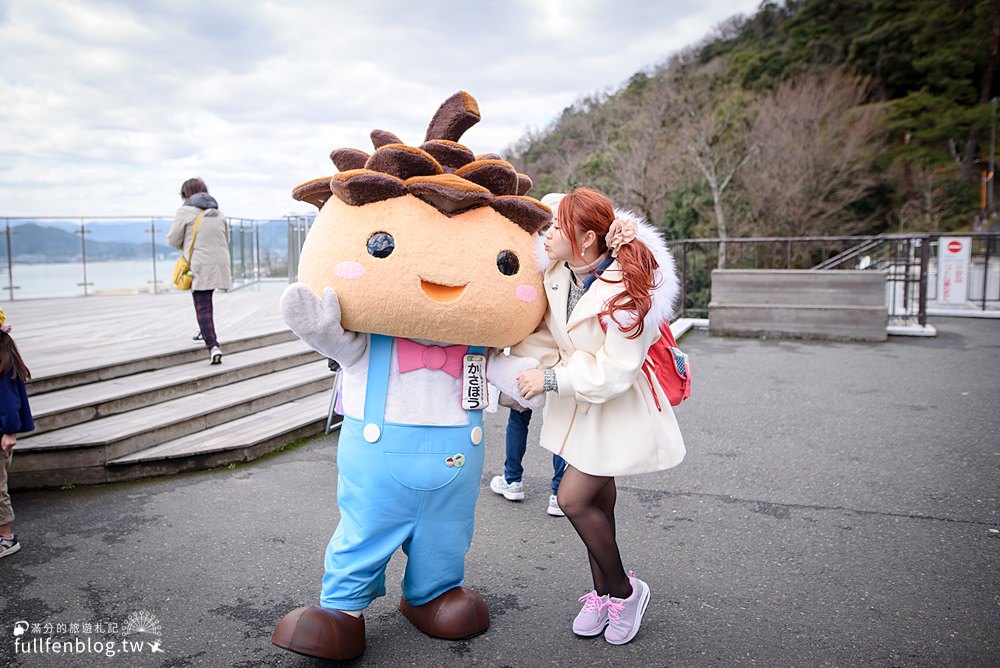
x: 379, y: 357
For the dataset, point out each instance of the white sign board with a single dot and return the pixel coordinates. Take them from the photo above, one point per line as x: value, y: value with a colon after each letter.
x: 953, y: 269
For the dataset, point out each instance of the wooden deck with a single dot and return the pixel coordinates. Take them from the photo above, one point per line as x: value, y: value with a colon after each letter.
x: 120, y: 390
x: 61, y: 335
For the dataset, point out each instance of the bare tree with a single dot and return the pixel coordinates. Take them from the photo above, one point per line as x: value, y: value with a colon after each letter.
x: 645, y: 159
x: 927, y: 202
x: 715, y: 137
x: 562, y: 156
x: 815, y: 141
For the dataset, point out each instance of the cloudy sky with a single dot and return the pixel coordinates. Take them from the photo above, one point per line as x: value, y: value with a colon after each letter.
x: 106, y: 106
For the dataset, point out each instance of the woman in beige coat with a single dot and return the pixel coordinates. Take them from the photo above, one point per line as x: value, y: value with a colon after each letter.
x: 209, y: 259
x: 611, y: 284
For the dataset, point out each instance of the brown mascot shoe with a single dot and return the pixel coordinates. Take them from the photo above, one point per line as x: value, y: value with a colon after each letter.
x: 321, y: 632
x: 456, y: 614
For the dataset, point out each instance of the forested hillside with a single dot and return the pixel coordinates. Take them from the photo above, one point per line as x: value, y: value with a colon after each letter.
x: 812, y: 117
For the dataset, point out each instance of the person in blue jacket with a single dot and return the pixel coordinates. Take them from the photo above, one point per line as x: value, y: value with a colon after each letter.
x: 15, y: 418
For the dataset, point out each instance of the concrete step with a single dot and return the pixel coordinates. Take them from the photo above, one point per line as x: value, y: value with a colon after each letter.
x: 75, y: 405
x: 862, y: 323
x: 80, y: 453
x: 239, y: 440
x: 794, y: 287
x: 90, y: 364
x: 838, y: 304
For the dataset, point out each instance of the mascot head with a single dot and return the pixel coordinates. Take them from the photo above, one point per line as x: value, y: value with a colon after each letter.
x: 429, y: 242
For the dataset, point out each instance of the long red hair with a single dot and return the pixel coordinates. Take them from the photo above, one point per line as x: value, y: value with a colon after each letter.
x: 586, y: 209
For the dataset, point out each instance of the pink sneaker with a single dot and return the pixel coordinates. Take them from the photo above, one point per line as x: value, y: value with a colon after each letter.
x: 625, y: 614
x: 593, y: 617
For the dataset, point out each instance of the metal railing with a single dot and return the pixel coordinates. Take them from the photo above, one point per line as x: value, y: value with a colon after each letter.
x: 298, y: 228
x: 910, y: 263
x: 121, y: 255
x: 116, y: 255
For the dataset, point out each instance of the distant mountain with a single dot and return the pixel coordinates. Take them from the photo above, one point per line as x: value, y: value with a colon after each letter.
x: 124, y: 231
x: 31, y: 242
x: 273, y: 233
x: 59, y: 240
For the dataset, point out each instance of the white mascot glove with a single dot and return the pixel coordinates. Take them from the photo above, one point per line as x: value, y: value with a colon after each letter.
x: 502, y: 371
x: 317, y: 323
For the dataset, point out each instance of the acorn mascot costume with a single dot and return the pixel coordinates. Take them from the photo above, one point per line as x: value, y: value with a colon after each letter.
x: 422, y: 264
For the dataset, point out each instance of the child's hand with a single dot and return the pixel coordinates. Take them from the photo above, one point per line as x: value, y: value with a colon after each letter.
x: 8, y: 442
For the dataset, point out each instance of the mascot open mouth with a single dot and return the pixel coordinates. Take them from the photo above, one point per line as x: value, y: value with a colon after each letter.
x: 442, y: 293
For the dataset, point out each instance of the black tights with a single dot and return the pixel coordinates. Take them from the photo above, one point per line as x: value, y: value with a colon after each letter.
x: 589, y: 503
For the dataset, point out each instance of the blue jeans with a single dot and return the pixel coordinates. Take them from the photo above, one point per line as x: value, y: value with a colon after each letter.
x: 517, y: 443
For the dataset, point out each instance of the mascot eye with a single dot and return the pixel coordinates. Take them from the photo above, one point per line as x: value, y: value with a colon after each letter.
x: 381, y: 244
x: 507, y: 263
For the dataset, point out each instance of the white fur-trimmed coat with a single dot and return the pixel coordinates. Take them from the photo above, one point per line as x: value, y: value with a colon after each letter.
x: 603, y: 420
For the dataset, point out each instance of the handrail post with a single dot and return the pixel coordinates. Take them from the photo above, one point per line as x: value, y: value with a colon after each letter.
x: 986, y: 268
x: 246, y: 236
x: 10, y: 261
x: 906, y: 273
x: 925, y: 253
x: 152, y: 246
x: 83, y: 254
x: 256, y: 245
x: 684, y: 256
x: 232, y: 249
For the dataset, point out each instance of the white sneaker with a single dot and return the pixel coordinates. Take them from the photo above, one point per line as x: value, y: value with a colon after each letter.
x: 9, y: 546
x: 215, y: 355
x: 554, y: 508
x: 513, y: 491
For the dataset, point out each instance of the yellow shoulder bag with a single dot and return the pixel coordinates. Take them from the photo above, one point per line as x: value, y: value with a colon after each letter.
x: 182, y: 268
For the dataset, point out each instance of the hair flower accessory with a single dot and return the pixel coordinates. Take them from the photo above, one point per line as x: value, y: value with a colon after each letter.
x: 621, y: 232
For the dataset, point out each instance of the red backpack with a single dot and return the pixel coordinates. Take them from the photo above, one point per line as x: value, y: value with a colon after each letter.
x: 669, y: 364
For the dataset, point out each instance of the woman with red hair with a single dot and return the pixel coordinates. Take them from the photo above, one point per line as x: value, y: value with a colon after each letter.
x: 610, y: 286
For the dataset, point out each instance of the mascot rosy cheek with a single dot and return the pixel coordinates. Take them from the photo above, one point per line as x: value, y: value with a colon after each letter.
x: 422, y: 263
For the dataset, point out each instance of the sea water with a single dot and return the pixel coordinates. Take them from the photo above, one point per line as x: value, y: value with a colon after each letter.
x: 67, y: 279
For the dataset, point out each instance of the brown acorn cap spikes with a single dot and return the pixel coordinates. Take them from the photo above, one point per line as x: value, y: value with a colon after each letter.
x: 443, y: 173
x: 524, y: 183
x: 315, y: 192
x: 455, y: 115
x: 345, y: 159
x: 382, y: 138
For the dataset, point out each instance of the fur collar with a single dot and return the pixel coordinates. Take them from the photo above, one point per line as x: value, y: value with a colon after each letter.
x: 667, y: 286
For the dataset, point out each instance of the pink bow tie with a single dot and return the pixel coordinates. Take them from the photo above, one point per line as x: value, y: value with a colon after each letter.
x: 413, y: 356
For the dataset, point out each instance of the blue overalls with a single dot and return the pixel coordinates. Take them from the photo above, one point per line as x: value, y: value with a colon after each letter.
x: 401, y: 485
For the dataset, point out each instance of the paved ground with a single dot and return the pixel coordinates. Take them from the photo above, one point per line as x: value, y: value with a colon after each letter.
x: 838, y: 507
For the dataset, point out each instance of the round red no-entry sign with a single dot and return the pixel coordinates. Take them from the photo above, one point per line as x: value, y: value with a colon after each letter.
x: 954, y: 246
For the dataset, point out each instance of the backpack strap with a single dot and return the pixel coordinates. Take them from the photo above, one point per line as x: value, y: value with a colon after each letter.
x: 666, y: 342
x: 194, y: 235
